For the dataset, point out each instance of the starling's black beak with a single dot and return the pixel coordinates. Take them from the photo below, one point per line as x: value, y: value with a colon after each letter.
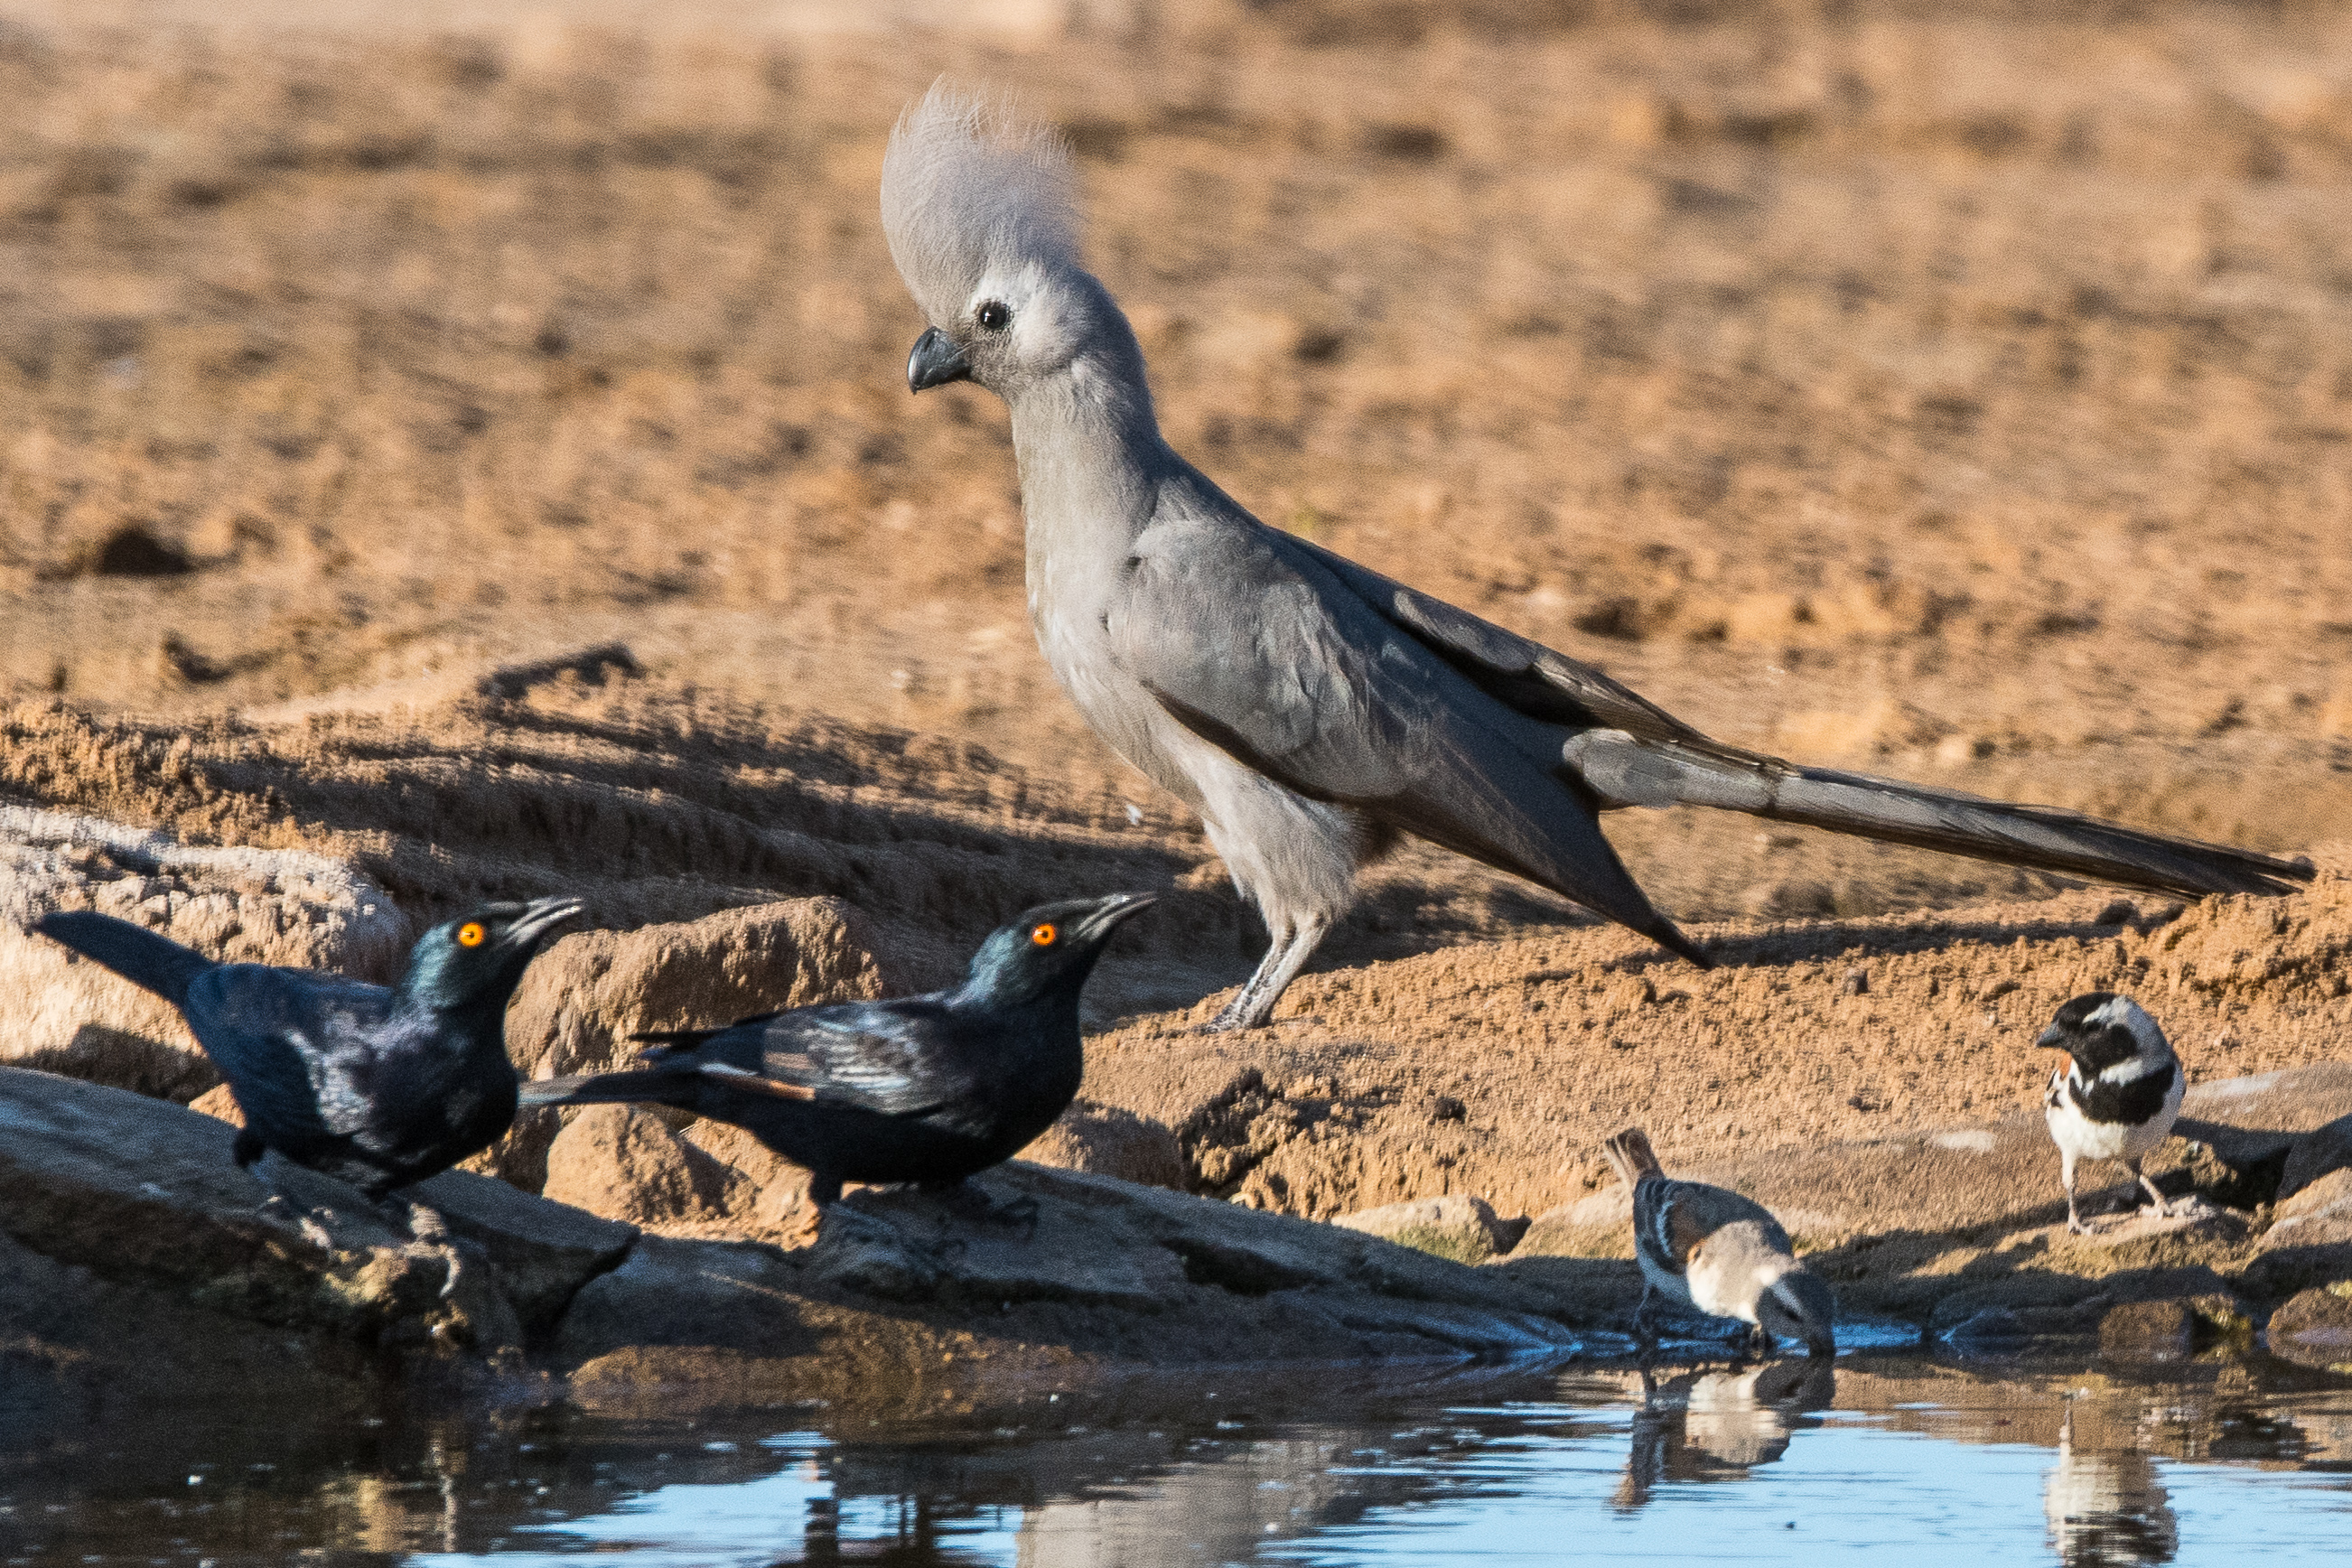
x: 936, y: 361
x: 1111, y: 914
x: 540, y: 916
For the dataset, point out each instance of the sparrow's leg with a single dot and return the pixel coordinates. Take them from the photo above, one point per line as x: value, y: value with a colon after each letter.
x: 1646, y: 1334
x: 2073, y: 1217
x: 2163, y: 1209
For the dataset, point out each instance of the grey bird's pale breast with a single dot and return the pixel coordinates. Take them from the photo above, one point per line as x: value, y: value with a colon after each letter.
x: 1084, y: 503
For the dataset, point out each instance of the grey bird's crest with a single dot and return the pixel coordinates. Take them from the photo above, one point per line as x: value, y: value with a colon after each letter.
x: 970, y: 193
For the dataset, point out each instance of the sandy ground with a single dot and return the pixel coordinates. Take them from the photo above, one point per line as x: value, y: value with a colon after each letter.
x: 1964, y: 398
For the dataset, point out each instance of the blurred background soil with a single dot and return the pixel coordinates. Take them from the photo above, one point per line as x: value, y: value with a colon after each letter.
x: 1962, y: 392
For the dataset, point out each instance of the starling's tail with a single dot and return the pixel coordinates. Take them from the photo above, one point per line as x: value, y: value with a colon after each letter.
x: 134, y: 953
x: 1630, y: 1156
x: 1624, y: 770
x: 654, y: 1088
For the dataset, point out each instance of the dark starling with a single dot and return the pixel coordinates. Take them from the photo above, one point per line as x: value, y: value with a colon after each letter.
x: 928, y: 1088
x: 380, y: 1087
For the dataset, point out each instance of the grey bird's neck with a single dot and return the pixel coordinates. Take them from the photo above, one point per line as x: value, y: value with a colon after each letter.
x: 1091, y: 461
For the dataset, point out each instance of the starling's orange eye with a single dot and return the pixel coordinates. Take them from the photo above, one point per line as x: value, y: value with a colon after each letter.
x: 1043, y: 935
x: 472, y: 934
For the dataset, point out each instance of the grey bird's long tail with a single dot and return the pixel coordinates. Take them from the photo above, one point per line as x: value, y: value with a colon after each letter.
x: 134, y: 953
x: 1627, y: 770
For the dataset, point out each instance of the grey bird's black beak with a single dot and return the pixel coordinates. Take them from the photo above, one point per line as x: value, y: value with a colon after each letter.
x: 936, y: 361
x: 1111, y: 914
x: 2052, y: 1039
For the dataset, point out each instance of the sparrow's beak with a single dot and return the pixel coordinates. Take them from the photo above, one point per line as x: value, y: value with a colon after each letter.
x: 935, y: 362
x: 540, y: 916
x: 1111, y: 914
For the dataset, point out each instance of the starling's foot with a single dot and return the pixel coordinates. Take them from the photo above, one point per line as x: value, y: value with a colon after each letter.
x: 1019, y: 1215
x: 279, y: 1209
x: 425, y: 1224
x: 970, y: 1204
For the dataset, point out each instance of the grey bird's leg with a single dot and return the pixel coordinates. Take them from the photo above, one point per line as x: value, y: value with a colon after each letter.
x: 1294, y: 943
x: 2163, y: 1209
x: 2073, y: 1217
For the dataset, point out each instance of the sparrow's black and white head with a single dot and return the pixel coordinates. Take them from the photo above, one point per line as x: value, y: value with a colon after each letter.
x: 2117, y: 1096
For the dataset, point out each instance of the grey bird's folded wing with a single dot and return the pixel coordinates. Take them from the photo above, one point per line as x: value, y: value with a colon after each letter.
x: 1264, y: 654
x: 1629, y: 752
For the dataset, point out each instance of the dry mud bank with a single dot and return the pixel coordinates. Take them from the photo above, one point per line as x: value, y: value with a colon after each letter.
x: 476, y: 461
x: 1864, y: 1077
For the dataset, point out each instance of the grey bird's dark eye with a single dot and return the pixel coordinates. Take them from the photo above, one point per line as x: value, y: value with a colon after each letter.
x: 995, y: 317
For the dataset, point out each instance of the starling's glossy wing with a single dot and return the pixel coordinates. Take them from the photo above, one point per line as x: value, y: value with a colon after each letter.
x: 907, y: 1058
x: 293, y: 1045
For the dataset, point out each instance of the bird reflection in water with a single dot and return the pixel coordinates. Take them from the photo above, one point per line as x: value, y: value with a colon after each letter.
x: 1719, y: 1426
x: 2105, y: 1507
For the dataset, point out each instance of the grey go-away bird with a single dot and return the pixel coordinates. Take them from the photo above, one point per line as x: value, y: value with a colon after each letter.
x: 928, y: 1088
x: 1309, y: 709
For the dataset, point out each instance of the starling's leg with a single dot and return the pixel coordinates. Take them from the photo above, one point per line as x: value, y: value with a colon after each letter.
x: 2163, y: 1209
x: 2073, y: 1216
x: 823, y: 1192
x: 1646, y: 1334
x: 253, y: 1155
